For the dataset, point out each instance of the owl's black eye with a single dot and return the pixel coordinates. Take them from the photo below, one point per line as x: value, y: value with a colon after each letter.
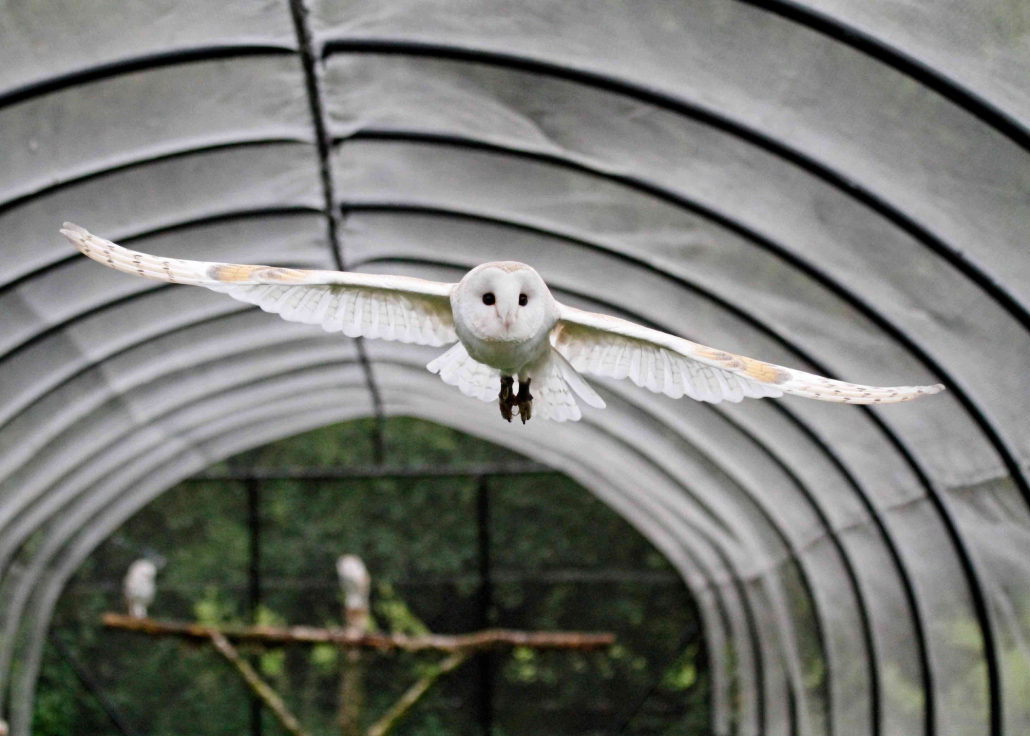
x: 523, y: 299
x: 488, y: 298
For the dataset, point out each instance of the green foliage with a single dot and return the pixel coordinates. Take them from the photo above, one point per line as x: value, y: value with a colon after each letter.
x: 395, y: 612
x: 561, y: 559
x: 683, y: 672
x: 211, y: 610
x: 324, y: 657
x: 272, y: 663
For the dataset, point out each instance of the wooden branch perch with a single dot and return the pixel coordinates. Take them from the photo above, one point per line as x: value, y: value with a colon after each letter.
x: 261, y: 689
x: 488, y: 639
x: 415, y: 693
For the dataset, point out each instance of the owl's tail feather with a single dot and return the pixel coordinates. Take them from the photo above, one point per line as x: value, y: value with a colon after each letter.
x: 553, y: 384
x: 472, y: 378
x: 579, y: 384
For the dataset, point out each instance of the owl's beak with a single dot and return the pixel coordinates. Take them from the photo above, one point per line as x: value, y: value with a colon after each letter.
x: 509, y: 317
x: 508, y: 301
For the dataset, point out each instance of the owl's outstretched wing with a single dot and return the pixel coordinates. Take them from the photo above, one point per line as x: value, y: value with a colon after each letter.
x: 613, y: 347
x: 357, y: 304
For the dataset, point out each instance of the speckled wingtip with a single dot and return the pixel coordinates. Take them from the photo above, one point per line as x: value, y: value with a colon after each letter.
x: 69, y: 229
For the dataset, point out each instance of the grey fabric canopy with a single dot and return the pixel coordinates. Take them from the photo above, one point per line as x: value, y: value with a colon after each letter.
x: 836, y: 186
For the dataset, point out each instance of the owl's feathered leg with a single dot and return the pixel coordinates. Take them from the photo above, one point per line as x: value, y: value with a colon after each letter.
x: 505, y: 399
x: 525, y: 401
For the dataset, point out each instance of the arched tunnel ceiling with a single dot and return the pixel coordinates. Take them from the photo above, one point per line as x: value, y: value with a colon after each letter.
x: 839, y: 187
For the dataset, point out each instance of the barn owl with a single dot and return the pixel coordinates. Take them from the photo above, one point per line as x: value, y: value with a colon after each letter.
x: 139, y: 587
x: 505, y: 325
x: 354, y: 581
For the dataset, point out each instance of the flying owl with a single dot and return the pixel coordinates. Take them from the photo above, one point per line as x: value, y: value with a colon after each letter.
x: 505, y: 325
x: 139, y: 587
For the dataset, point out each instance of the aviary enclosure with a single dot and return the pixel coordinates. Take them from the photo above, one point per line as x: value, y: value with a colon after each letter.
x: 838, y: 188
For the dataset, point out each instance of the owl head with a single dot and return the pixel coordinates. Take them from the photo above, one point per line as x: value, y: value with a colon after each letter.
x: 505, y: 301
x: 143, y: 570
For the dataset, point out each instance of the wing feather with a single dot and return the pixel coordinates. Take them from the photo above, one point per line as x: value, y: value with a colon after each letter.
x: 663, y: 363
x: 358, y: 304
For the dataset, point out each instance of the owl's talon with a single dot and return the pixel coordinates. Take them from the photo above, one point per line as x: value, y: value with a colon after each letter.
x: 505, y: 399
x: 525, y: 401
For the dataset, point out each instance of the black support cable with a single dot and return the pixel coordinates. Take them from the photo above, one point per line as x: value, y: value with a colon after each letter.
x: 334, y: 221
x: 479, y: 471
x: 92, y: 686
x: 54, y: 186
x: 305, y: 42
x: 792, y: 709
x: 655, y: 684
x: 144, y: 62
